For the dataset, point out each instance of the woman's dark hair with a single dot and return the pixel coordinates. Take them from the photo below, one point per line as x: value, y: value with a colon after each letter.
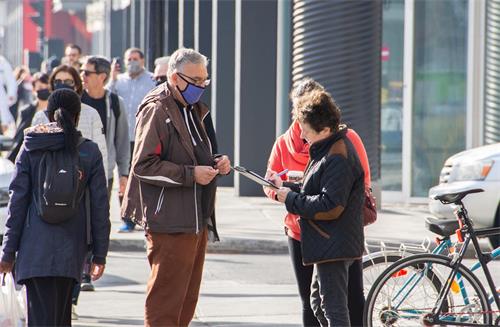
x: 74, y: 74
x: 40, y: 77
x: 318, y: 109
x: 64, y: 108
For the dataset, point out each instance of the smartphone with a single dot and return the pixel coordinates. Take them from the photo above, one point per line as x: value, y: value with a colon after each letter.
x: 216, y: 156
x: 117, y: 61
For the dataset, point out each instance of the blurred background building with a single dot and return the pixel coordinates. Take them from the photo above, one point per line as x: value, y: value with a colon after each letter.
x: 417, y: 79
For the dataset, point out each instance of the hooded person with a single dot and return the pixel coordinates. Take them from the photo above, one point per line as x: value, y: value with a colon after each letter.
x: 49, y: 257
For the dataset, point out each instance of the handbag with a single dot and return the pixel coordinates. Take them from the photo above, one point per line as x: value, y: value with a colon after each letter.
x: 369, y: 208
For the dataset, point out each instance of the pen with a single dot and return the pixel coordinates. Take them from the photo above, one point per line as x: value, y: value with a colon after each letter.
x: 283, y: 172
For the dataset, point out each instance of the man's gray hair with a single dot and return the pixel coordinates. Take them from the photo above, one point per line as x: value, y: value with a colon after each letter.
x: 185, y: 56
x: 162, y: 60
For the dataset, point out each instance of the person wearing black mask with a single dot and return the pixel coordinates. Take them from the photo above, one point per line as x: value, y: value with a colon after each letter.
x: 41, y: 92
x: 161, y: 68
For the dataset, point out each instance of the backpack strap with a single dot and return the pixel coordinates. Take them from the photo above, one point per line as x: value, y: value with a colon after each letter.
x: 115, y: 106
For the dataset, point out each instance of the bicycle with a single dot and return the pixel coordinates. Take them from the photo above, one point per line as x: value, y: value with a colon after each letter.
x: 434, y: 289
x: 374, y: 263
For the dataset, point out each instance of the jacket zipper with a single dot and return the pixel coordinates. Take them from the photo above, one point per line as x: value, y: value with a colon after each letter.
x: 142, y: 202
x: 160, y: 201
x: 196, y: 209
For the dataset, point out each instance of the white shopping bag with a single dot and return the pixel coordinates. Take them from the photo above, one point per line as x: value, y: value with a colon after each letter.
x: 11, y: 311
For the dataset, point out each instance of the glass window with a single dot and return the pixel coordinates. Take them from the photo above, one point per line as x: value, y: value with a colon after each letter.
x: 440, y: 75
x: 391, y: 120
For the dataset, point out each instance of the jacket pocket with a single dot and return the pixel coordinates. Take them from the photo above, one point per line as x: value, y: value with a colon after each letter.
x: 318, y: 229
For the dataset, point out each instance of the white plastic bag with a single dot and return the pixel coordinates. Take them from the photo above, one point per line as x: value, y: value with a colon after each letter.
x: 11, y: 312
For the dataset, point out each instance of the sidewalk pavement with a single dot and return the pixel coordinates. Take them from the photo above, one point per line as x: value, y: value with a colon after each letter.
x: 254, y: 225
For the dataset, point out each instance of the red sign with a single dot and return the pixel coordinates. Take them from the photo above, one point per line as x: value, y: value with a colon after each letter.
x: 385, y: 53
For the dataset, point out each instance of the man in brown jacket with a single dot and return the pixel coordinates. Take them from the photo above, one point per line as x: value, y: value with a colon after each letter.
x: 171, y: 189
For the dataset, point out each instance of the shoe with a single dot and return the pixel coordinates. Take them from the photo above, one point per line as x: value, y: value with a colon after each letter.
x: 87, y: 287
x: 74, y: 315
x: 125, y: 228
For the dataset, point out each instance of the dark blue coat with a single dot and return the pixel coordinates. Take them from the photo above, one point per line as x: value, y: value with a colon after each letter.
x: 330, y: 202
x: 54, y: 250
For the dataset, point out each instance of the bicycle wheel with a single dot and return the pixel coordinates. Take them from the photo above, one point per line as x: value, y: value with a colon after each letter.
x: 407, y: 291
x: 374, y: 264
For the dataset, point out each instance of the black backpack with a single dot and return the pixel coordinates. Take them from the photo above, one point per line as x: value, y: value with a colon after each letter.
x: 61, y: 183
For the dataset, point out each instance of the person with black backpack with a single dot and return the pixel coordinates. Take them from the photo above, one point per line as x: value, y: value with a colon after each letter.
x: 58, y: 210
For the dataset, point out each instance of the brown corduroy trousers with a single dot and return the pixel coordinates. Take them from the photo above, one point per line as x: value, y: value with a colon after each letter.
x: 176, y: 262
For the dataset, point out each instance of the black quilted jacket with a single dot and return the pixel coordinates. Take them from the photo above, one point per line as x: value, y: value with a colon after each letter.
x: 330, y: 202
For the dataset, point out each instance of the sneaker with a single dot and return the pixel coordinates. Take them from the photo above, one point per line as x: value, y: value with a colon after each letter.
x: 125, y: 228
x: 74, y: 315
x: 87, y: 287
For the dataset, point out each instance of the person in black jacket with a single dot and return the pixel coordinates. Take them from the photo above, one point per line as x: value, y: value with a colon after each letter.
x: 42, y: 92
x: 329, y: 202
x: 49, y: 257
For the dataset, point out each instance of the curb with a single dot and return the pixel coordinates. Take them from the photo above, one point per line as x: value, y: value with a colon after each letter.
x: 234, y: 245
x: 228, y: 245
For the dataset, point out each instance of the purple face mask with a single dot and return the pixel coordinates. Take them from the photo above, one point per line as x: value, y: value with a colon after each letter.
x: 192, y: 93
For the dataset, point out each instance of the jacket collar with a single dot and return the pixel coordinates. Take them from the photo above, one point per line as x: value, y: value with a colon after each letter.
x: 320, y: 148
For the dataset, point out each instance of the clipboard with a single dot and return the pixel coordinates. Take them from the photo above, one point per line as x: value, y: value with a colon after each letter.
x: 254, y: 176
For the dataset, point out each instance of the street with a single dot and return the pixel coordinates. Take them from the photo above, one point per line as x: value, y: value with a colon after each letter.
x: 237, y: 290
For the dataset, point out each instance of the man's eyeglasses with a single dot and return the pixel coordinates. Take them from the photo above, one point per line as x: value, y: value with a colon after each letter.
x: 88, y: 72
x: 196, y: 81
x: 68, y: 82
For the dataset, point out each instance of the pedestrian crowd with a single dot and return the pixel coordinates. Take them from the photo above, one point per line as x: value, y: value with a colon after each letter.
x: 81, y: 121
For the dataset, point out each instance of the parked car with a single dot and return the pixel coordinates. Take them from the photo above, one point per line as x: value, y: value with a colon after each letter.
x: 474, y: 168
x: 6, y: 172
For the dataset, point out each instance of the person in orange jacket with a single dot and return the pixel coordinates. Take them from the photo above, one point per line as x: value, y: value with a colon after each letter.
x: 291, y: 152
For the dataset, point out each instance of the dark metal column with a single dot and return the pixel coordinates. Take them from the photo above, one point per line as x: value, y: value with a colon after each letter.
x: 203, y: 37
x: 255, y: 89
x: 187, y: 24
x: 337, y: 42
x: 222, y: 87
x: 172, y: 26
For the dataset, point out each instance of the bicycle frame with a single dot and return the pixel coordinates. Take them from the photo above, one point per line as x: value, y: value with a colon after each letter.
x: 471, y: 235
x: 483, y: 259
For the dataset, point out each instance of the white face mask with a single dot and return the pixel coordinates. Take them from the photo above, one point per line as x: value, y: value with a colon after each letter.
x: 134, y: 67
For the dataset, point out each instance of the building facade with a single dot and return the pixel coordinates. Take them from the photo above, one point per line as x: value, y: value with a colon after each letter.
x: 417, y: 79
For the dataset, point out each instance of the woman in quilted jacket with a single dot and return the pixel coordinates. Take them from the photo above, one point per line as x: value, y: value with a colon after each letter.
x: 329, y: 203
x: 291, y: 152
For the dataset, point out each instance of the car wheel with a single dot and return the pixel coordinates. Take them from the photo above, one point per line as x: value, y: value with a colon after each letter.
x: 495, y: 239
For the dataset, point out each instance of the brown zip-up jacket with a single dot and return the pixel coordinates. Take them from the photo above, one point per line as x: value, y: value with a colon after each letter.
x: 161, y: 193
